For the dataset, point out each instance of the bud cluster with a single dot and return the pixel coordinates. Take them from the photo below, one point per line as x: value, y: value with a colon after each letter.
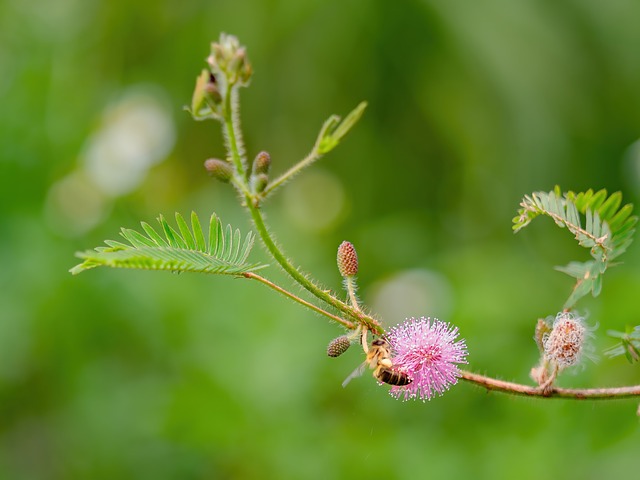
x: 229, y: 58
x: 228, y: 67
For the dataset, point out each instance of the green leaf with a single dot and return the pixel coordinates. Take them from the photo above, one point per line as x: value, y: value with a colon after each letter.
x: 197, y: 233
x: 629, y: 344
x: 153, y: 235
x: 597, y: 221
x: 333, y: 130
x: 610, y: 206
x: 607, y: 226
x: 588, y: 277
x: 185, y: 232
x: 179, y: 251
x: 216, y: 237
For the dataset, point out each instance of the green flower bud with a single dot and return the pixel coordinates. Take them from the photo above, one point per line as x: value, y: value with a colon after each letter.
x: 261, y: 164
x: 259, y: 182
x: 206, y: 101
x: 218, y: 168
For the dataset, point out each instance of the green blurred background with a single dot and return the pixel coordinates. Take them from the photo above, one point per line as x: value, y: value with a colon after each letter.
x: 143, y: 375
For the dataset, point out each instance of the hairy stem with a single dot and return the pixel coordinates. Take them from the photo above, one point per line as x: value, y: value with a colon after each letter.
x: 279, y: 257
x: 290, y: 295
x: 232, y: 133
x: 552, y: 392
x: 350, y: 285
x: 289, y: 174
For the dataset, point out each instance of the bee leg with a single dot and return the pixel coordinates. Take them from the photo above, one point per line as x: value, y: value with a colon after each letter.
x: 385, y: 362
x: 364, y: 340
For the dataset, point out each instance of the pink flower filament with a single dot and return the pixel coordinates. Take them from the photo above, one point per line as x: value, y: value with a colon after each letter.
x: 427, y: 351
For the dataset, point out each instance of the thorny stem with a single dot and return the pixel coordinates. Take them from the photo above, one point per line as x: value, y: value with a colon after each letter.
x: 494, y: 384
x: 294, y: 297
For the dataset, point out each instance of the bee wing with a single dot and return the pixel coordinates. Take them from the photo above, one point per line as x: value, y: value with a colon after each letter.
x: 356, y: 373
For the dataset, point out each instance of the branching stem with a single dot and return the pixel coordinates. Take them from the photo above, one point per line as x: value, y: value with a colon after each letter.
x: 233, y: 137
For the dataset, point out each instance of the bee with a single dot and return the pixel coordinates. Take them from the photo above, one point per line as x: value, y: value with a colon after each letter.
x: 379, y: 359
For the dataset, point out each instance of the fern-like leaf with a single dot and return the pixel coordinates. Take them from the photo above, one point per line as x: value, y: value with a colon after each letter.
x: 629, y: 344
x: 598, y: 223
x: 182, y: 250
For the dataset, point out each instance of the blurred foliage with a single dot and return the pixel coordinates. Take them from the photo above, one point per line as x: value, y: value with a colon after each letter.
x: 152, y: 375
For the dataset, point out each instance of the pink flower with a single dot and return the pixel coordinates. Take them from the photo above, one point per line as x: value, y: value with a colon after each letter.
x: 425, y: 349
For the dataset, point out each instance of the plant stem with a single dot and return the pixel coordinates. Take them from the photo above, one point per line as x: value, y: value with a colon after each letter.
x: 553, y: 392
x: 323, y: 295
x: 290, y: 295
x: 232, y: 134
x: 233, y: 138
x: 308, y: 160
x: 350, y: 285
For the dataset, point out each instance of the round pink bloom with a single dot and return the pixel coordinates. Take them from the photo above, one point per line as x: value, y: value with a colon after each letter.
x: 426, y: 350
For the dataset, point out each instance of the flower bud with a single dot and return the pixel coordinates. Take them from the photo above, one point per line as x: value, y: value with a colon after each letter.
x: 206, y: 101
x: 262, y: 163
x: 347, y: 259
x: 259, y: 182
x: 229, y: 58
x: 218, y: 168
x: 338, y: 346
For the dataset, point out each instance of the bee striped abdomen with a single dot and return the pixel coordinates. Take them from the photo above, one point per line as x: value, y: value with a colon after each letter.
x: 391, y: 377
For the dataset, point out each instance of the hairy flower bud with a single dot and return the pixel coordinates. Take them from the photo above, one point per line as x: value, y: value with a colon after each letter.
x: 347, y: 259
x: 206, y: 101
x: 259, y: 182
x: 338, y: 346
x: 218, y: 168
x: 261, y: 164
x: 565, y: 344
